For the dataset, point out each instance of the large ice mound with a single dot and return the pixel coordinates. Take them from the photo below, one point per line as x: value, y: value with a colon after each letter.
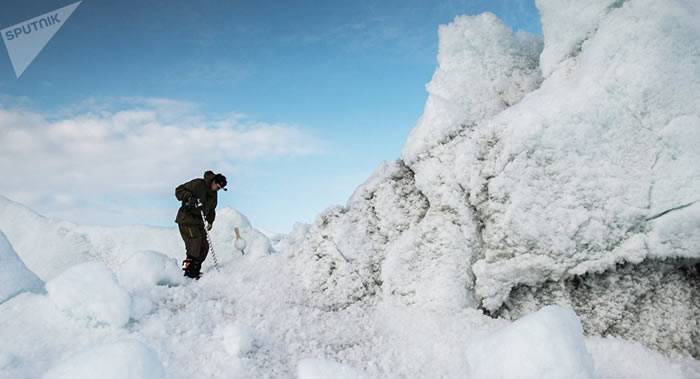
x: 541, y: 171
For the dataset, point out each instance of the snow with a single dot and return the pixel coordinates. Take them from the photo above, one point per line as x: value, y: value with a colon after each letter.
x: 238, y: 340
x: 127, y: 359
x: 317, y: 368
x: 616, y: 358
x: 240, y: 245
x: 256, y: 319
x: 576, y: 166
x: 14, y: 275
x: 90, y: 292
x: 528, y: 169
x: 56, y: 250
x: 36, y: 334
x: 566, y: 25
x: 482, y: 68
x: 435, y: 280
x: 257, y: 244
x: 146, y: 269
x: 546, y: 344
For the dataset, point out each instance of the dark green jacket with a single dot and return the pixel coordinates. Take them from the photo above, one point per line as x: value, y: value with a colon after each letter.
x: 199, y: 188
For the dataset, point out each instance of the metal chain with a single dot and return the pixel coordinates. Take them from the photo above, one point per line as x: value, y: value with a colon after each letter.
x: 211, y: 247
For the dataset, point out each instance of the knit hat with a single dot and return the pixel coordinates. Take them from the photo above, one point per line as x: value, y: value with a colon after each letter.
x: 221, y: 180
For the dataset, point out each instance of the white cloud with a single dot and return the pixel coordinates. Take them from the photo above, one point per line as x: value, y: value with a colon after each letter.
x: 128, y: 148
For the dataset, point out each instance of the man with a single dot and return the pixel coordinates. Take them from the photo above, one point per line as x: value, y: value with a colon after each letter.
x: 197, y: 195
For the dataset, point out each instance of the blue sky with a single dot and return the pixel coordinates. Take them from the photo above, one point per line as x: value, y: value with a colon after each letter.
x: 320, y: 92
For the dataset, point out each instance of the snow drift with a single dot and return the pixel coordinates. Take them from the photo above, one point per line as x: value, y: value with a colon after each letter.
x: 561, y: 170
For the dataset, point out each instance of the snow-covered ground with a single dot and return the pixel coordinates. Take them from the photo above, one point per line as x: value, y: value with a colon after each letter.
x: 556, y: 171
x: 140, y: 319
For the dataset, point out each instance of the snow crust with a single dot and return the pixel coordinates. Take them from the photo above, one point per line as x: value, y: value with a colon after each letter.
x: 14, y: 275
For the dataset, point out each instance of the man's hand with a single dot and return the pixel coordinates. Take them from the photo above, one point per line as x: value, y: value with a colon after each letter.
x: 209, y: 226
x: 193, y: 202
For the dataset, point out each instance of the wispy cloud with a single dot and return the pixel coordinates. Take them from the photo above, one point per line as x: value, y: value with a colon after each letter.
x: 130, y: 148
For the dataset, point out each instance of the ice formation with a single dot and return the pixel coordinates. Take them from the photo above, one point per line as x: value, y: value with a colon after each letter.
x: 555, y: 171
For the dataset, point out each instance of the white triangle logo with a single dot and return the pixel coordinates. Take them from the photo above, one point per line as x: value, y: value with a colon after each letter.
x: 24, y: 41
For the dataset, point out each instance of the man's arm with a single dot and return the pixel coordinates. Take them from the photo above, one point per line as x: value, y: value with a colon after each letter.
x: 184, y: 191
x: 211, y: 215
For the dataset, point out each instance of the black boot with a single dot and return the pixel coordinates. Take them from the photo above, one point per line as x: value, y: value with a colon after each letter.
x: 191, y: 268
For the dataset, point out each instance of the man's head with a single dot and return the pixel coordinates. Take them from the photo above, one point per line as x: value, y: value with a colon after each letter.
x: 218, y: 183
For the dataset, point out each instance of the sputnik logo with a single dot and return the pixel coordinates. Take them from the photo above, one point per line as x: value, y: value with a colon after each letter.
x: 24, y: 41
